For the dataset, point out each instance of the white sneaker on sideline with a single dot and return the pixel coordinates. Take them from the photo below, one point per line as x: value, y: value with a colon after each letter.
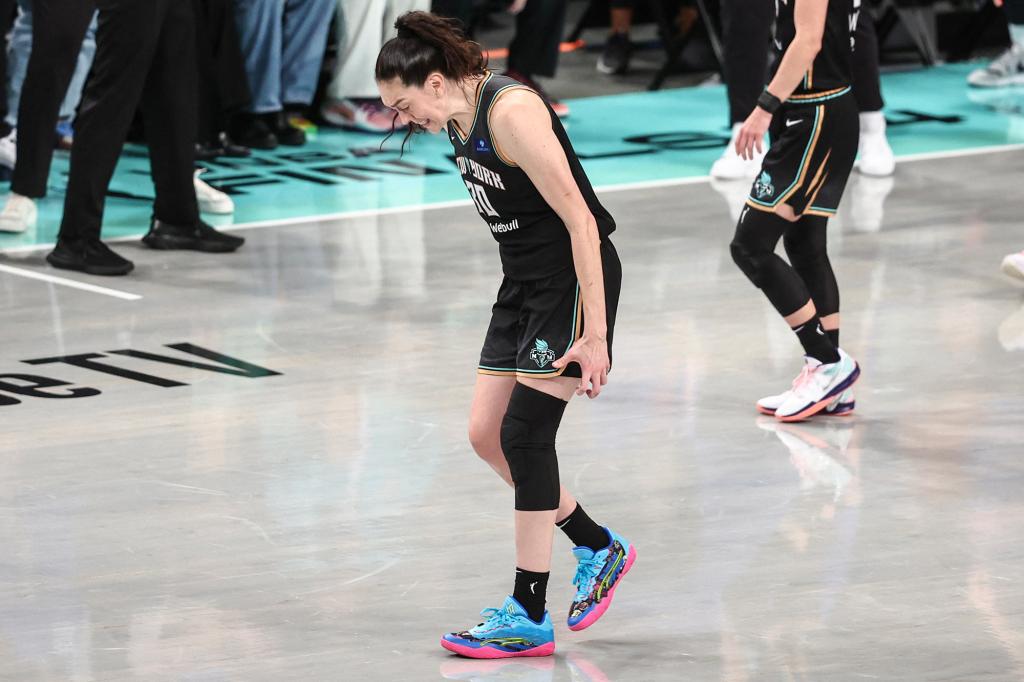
x: 731, y: 166
x: 875, y: 154
x: 9, y: 149
x: 1006, y: 69
x: 18, y: 215
x: 211, y: 200
x: 1013, y: 265
x: 817, y: 386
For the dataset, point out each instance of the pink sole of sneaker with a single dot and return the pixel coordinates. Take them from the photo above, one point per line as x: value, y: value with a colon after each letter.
x: 605, y: 603
x: 821, y: 405
x: 487, y: 652
x: 845, y: 413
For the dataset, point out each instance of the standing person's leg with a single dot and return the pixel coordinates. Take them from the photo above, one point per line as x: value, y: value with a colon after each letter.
x: 260, y: 24
x: 1008, y: 68
x: 802, y: 180
x: 614, y: 58
x: 126, y: 38
x: 83, y: 65
x: 746, y: 35
x: 304, y: 41
x: 534, y: 47
x: 57, y: 35
x: 16, y: 58
x: 352, y: 99
x: 170, y: 113
x: 876, y: 157
x: 6, y: 20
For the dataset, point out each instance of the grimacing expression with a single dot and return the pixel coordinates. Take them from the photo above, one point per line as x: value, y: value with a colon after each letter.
x: 420, y: 105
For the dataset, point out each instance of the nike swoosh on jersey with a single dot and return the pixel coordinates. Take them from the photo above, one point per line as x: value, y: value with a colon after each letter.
x: 793, y: 123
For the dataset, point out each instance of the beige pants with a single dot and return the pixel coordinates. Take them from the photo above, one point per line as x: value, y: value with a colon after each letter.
x: 363, y: 27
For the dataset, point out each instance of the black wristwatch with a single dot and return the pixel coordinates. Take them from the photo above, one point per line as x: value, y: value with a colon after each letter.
x: 768, y: 101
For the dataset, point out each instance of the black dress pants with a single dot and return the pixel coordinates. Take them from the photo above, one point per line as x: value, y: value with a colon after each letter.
x: 58, y: 28
x: 534, y: 47
x: 145, y: 55
x: 223, y: 82
x: 746, y: 29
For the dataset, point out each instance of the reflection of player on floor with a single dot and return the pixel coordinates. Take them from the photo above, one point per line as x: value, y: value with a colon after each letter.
x: 551, y: 327
x: 813, y: 122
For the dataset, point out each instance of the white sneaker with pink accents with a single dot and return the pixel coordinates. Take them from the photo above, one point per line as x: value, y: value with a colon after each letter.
x: 817, y: 386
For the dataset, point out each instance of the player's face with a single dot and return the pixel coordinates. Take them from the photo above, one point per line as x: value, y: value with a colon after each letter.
x: 421, y: 106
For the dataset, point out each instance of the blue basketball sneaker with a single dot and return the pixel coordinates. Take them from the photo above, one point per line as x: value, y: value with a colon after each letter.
x: 597, y: 576
x: 508, y: 632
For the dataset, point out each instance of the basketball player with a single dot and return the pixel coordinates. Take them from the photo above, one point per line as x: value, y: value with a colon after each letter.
x: 551, y: 327
x: 811, y: 117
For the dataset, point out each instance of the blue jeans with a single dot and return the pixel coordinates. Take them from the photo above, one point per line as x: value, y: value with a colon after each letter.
x: 19, y: 50
x: 283, y: 42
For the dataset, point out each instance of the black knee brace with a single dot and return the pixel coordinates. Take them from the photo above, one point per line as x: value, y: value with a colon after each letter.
x: 806, y: 246
x: 528, y: 442
x: 753, y: 249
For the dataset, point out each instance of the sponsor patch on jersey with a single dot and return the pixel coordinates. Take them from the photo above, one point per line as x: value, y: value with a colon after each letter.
x: 482, y: 147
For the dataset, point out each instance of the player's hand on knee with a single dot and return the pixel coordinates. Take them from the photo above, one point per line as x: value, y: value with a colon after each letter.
x: 591, y: 354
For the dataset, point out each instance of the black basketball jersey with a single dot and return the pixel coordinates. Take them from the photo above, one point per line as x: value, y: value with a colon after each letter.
x: 830, y: 73
x: 532, y: 240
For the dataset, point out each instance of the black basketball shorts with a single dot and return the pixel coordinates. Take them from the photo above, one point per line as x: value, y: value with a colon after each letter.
x: 813, y: 147
x: 533, y: 323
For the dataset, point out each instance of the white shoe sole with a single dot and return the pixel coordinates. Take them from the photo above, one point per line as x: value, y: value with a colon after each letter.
x: 1010, y: 268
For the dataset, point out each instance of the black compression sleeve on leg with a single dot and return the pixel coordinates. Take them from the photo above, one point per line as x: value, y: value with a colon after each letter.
x: 528, y: 440
x: 753, y: 249
x: 806, y: 246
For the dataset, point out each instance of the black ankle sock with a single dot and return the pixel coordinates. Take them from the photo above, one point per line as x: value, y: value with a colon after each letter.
x: 531, y: 591
x: 582, y: 530
x: 816, y: 342
x: 833, y: 336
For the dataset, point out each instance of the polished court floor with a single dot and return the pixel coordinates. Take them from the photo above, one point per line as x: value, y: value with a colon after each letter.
x: 308, y: 508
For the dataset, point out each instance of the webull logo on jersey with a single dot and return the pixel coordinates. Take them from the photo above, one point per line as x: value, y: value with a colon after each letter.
x: 763, y: 187
x: 541, y: 354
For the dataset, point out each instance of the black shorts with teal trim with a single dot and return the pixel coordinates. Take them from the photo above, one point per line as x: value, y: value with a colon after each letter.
x: 534, y: 322
x: 813, y: 147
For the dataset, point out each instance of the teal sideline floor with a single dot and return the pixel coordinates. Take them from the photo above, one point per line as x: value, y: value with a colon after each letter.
x: 633, y: 138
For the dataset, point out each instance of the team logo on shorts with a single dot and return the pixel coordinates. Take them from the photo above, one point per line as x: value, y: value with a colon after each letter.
x: 541, y: 354
x: 763, y: 186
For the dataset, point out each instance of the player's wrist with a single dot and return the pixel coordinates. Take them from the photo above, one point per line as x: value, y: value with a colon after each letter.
x: 768, y: 102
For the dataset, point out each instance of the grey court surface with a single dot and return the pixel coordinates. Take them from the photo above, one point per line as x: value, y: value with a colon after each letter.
x: 329, y: 522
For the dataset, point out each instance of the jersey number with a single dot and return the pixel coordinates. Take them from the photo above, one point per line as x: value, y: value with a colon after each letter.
x: 483, y: 204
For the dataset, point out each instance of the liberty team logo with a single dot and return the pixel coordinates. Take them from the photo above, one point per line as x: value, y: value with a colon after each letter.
x: 763, y: 186
x: 541, y: 354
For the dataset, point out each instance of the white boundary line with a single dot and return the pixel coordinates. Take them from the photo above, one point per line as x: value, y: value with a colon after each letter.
x: 32, y: 274
x: 618, y: 187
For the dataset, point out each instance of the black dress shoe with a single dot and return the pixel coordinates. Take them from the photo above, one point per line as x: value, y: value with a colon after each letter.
x: 197, y: 237
x: 230, y: 148
x: 286, y: 133
x: 91, y: 257
x: 207, y: 151
x: 250, y: 130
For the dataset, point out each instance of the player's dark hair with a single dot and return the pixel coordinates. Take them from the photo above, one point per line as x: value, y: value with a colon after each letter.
x: 427, y: 43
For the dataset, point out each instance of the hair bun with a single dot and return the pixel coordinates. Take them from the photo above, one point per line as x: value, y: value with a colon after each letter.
x: 404, y: 30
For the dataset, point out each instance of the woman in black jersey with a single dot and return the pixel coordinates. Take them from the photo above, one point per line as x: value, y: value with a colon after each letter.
x: 811, y: 116
x: 551, y: 325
